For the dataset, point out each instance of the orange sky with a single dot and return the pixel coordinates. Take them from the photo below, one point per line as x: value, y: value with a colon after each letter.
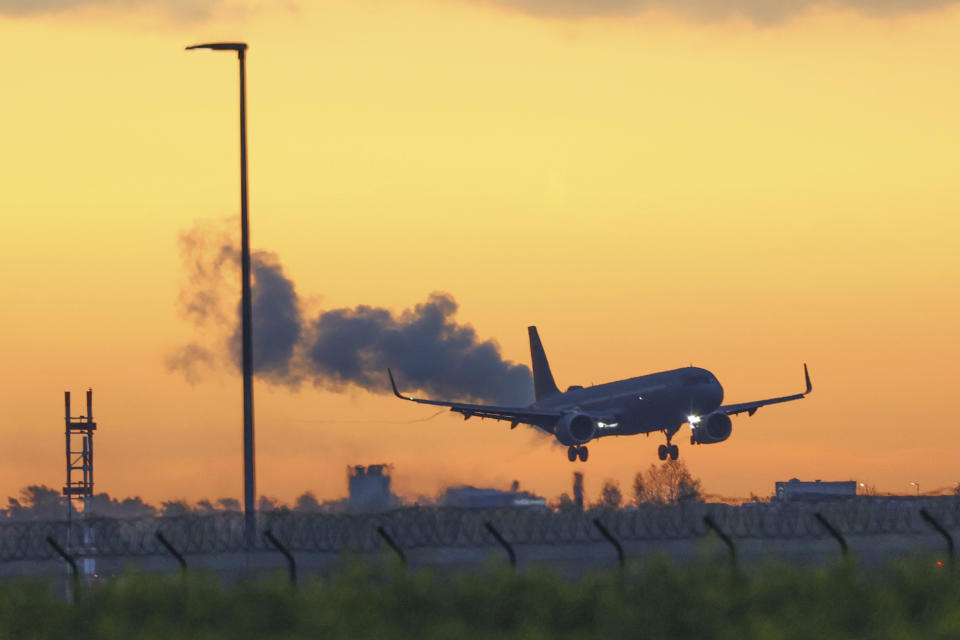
x: 649, y: 190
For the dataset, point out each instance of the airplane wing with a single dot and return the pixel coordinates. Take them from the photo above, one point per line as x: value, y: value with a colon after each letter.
x: 751, y: 407
x: 542, y: 418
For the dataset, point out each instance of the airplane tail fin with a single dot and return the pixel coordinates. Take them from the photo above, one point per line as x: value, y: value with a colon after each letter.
x: 543, y: 383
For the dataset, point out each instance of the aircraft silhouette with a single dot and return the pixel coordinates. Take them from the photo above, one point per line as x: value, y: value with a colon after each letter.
x: 662, y: 401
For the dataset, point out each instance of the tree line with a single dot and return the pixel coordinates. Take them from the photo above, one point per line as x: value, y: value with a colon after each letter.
x: 667, y: 483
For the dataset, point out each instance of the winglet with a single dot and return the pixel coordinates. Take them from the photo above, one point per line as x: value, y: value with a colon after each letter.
x: 394, y: 385
x: 806, y: 374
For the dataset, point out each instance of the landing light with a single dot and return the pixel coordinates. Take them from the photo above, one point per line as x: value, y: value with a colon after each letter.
x: 693, y: 420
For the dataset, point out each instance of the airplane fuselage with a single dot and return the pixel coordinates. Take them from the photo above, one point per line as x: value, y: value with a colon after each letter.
x: 643, y: 404
x: 661, y: 401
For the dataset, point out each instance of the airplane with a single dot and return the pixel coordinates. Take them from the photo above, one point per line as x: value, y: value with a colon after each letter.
x: 663, y: 401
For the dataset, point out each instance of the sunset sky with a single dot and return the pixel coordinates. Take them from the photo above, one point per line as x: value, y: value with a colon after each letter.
x: 651, y: 184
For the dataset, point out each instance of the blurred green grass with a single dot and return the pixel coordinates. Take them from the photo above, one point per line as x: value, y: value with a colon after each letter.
x: 655, y: 599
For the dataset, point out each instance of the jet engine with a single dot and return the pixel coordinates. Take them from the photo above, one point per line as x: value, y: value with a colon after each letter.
x: 713, y: 428
x: 576, y: 428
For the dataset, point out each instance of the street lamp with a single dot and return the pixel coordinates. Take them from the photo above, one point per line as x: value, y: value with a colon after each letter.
x: 917, y: 485
x: 249, y: 513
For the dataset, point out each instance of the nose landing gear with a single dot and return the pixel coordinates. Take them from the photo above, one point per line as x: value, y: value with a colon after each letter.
x: 577, y: 452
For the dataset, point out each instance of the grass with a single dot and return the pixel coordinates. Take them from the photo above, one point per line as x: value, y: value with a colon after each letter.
x: 657, y: 599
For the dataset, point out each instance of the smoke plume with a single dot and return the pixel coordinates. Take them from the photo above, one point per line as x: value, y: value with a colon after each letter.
x: 277, y: 323
x: 425, y: 346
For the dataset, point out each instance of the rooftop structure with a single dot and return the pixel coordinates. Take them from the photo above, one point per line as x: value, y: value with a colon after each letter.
x: 795, y: 489
x: 481, y: 498
x: 369, y: 488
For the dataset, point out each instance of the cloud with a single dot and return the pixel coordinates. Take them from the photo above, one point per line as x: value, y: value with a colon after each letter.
x: 338, y: 348
x: 180, y: 9
x: 756, y: 11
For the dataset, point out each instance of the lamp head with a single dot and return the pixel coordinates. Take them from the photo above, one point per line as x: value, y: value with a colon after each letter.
x: 239, y: 47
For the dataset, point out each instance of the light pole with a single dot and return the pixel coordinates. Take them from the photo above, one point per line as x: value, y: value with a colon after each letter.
x: 917, y: 485
x: 249, y: 477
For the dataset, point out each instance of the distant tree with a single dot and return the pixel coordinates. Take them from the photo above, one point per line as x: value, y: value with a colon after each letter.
x: 135, y: 507
x: 307, y: 503
x: 639, y: 489
x: 174, y: 508
x: 205, y: 506
x: 101, y: 505
x: 229, y: 504
x: 342, y: 505
x: 565, y: 504
x: 269, y: 504
x: 106, y: 507
x: 610, y: 496
x: 670, y: 483
x: 38, y: 502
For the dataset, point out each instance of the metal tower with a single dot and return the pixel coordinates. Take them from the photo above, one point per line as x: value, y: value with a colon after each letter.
x: 79, y: 448
x: 79, y: 438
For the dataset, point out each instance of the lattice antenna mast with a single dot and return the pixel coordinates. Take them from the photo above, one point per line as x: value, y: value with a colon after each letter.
x: 79, y: 443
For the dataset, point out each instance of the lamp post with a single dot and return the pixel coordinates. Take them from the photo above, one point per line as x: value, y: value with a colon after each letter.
x: 917, y: 485
x: 249, y: 509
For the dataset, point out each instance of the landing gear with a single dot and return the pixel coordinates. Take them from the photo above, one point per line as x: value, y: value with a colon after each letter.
x: 669, y: 450
x: 571, y: 453
x: 577, y: 452
x: 582, y: 453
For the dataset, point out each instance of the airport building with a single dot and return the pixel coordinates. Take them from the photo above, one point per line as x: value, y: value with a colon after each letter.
x: 369, y: 488
x: 798, y: 490
x: 477, y: 498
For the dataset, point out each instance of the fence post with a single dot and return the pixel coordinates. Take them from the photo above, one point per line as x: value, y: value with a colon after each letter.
x: 503, y: 543
x: 74, y: 574
x: 943, y: 531
x: 176, y: 554
x: 291, y: 563
x: 836, y: 534
x: 393, y: 545
x: 612, y: 540
x: 708, y: 520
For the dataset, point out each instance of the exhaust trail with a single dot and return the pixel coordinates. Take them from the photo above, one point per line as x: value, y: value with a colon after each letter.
x: 338, y: 348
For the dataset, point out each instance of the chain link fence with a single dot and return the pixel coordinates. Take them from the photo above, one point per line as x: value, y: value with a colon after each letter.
x: 417, y: 528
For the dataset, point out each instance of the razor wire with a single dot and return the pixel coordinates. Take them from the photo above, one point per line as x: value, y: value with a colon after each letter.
x: 443, y: 527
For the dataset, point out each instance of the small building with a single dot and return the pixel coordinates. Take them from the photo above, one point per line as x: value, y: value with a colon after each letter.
x: 369, y: 488
x: 797, y: 490
x: 476, y: 498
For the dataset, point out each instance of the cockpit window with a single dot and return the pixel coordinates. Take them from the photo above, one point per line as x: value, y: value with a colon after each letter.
x: 693, y: 379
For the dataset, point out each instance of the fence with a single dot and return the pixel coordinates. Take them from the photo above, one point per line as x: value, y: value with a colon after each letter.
x: 417, y: 528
